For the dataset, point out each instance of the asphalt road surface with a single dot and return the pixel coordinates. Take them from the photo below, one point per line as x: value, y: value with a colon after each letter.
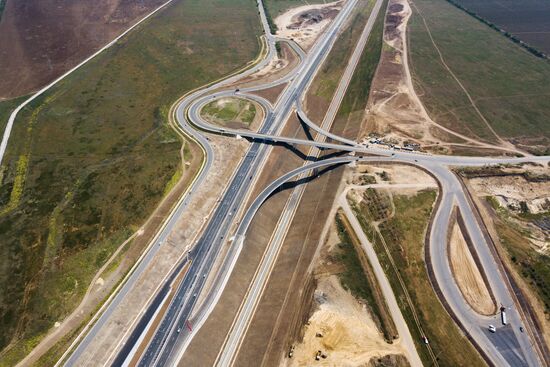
x: 505, y: 347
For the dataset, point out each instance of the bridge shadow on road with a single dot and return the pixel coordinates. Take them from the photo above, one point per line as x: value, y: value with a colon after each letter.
x: 314, y: 174
x: 298, y: 152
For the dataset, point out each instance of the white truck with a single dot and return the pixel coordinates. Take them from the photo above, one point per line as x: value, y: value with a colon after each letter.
x: 503, y: 315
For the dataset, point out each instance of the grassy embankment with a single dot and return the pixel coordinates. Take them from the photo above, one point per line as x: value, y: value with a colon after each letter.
x: 230, y: 110
x: 514, y: 234
x: 89, y: 161
x: 503, y: 79
x: 326, y: 80
x: 358, y: 277
x: 352, y: 109
x: 403, y: 234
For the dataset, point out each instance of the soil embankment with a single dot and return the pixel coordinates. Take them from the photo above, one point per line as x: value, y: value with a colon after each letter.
x: 467, y: 275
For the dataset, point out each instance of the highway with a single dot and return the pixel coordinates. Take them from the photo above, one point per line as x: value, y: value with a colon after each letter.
x: 244, y: 317
x: 164, y: 349
x: 77, y: 348
x: 172, y: 336
x: 514, y: 349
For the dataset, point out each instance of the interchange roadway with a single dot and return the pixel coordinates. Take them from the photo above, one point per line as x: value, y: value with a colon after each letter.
x: 234, y: 193
x: 172, y: 337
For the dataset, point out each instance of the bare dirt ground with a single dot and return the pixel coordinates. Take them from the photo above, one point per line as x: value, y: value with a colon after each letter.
x: 394, y: 174
x: 510, y: 191
x: 467, y: 275
x: 281, y: 65
x: 304, y: 23
x: 349, y: 334
x: 519, y: 189
x: 40, y: 39
x: 395, y: 110
x: 271, y: 94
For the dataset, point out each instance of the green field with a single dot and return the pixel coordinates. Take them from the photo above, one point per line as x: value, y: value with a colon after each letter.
x: 404, y: 235
x: 505, y: 81
x: 352, y: 108
x: 89, y: 161
x: 230, y: 110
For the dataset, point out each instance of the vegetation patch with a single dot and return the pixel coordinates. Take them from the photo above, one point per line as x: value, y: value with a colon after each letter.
x: 514, y: 232
x: 502, y: 171
x: 2, y: 7
x: 325, y: 83
x: 399, y: 243
x: 359, y: 277
x: 501, y: 78
x: 233, y: 112
x: 357, y: 94
x: 99, y: 156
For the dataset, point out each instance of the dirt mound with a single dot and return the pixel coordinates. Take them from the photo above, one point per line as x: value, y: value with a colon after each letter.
x: 313, y: 16
x: 515, y: 192
x: 304, y: 23
x: 342, y: 329
x: 41, y: 39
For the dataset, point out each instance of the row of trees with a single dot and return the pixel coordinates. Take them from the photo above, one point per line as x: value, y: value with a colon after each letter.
x: 507, y: 34
x: 270, y: 22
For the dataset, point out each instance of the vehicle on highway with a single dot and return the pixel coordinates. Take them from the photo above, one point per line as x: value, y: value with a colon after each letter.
x: 492, y: 329
x: 503, y: 316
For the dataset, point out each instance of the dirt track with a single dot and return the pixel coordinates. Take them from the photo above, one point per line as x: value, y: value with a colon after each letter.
x: 395, y: 109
